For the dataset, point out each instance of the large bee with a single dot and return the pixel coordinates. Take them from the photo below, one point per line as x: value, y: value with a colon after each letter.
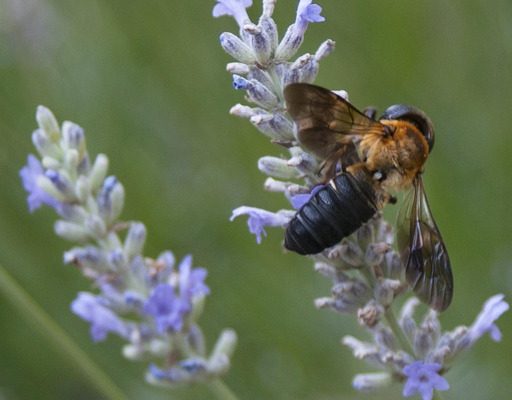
x: 364, y: 160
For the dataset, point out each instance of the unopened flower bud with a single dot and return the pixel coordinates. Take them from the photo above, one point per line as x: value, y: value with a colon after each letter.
x: 98, y: 172
x: 71, y: 231
x: 48, y: 123
x: 261, y: 43
x: 277, y: 168
x: 236, y: 48
x: 371, y: 382
x: 370, y: 314
x: 135, y: 239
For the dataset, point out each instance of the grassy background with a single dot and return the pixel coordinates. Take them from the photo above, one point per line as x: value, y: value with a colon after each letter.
x: 147, y: 81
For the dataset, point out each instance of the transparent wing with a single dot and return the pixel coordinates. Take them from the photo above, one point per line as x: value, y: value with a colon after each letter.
x: 427, y: 265
x: 325, y: 121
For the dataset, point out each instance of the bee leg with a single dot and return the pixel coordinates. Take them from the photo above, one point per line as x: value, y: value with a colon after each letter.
x: 370, y: 112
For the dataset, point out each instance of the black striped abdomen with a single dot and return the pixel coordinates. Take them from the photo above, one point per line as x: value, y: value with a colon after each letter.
x: 332, y: 213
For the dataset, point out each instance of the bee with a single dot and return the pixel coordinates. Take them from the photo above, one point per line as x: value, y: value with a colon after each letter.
x: 364, y: 160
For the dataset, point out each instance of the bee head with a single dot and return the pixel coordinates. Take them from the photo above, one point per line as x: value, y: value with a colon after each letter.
x: 415, y: 116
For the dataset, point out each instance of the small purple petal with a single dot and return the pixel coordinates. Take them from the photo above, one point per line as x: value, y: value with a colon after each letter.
x: 259, y: 219
x: 309, y: 12
x: 423, y: 379
x: 165, y: 308
x: 299, y: 200
x: 240, y: 83
x: 102, y: 319
x: 234, y: 8
x: 484, y: 322
x: 36, y: 196
x: 191, y: 280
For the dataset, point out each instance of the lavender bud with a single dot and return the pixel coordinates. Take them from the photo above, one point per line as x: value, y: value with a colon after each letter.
x: 371, y: 382
x: 375, y: 253
x: 111, y: 199
x: 325, y: 49
x: 237, y: 68
x: 71, y: 231
x: 50, y: 163
x: 422, y: 343
x: 384, y: 337
x: 268, y: 7
x: 135, y: 239
x: 370, y: 314
x: 275, y: 125
x: 260, y: 94
x: 242, y: 111
x: 98, y: 172
x: 96, y: 226
x: 271, y: 185
x: 385, y: 291
x: 304, y: 69
x: 268, y: 26
x: 261, y: 43
x: 73, y: 137
x: 236, y: 48
x: 47, y: 185
x: 48, y: 123
x: 82, y: 188
x: 89, y: 257
x: 61, y: 183
x: 289, y: 44
x: 71, y: 160
x: 222, y: 352
x: 44, y: 145
x: 277, y: 168
x: 116, y: 260
x: 349, y: 252
x: 361, y: 350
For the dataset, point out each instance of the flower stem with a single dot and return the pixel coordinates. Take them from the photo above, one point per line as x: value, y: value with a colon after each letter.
x: 221, y: 390
x: 33, y: 313
x: 398, y: 332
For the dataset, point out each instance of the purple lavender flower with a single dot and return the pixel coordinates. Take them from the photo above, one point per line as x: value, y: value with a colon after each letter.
x: 235, y: 8
x: 102, y: 319
x: 299, y: 200
x: 191, y: 280
x: 36, y: 196
x: 422, y: 379
x: 484, y: 323
x: 307, y: 12
x: 166, y: 308
x: 259, y: 219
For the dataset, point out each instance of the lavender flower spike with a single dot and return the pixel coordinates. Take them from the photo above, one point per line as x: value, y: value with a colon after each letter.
x: 148, y: 302
x: 423, y: 379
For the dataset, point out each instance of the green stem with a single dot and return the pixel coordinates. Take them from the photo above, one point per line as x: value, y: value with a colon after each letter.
x: 221, y: 390
x: 398, y: 332
x: 390, y: 317
x: 34, y: 314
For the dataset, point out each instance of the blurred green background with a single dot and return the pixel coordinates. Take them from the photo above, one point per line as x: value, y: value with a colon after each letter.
x: 147, y: 81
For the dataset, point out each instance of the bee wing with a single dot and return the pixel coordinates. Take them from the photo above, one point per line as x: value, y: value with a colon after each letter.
x: 427, y: 266
x: 325, y: 121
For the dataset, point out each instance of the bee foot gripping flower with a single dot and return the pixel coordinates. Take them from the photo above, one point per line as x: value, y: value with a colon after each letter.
x: 150, y: 303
